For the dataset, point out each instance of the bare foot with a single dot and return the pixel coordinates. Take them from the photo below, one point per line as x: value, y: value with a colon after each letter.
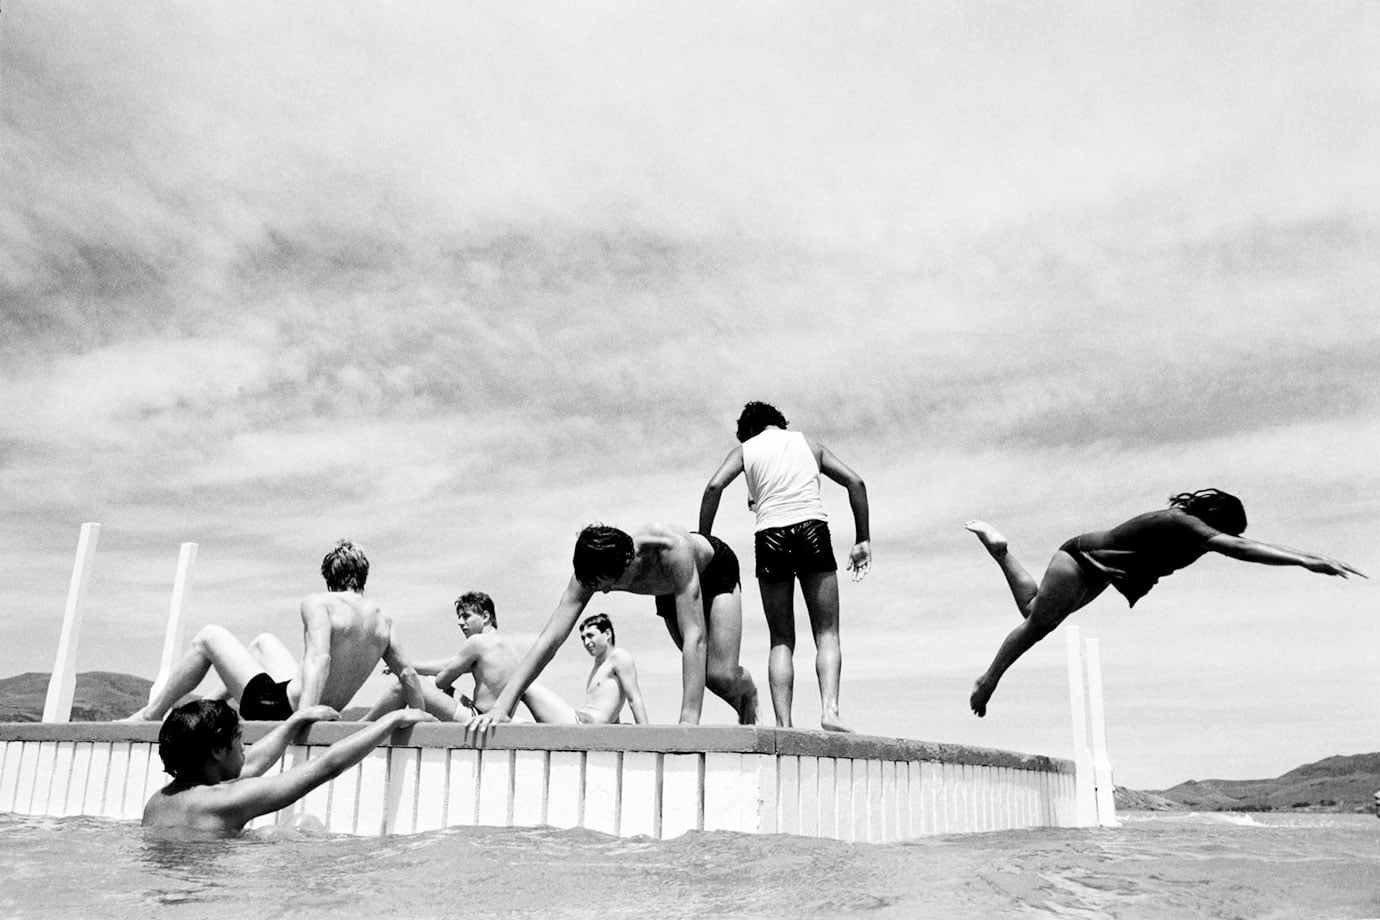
x: 137, y: 717
x: 831, y: 723
x: 747, y: 705
x: 995, y: 542
x: 981, y: 694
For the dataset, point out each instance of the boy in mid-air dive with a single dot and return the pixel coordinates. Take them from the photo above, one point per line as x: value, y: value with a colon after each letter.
x: 217, y: 788
x: 344, y: 635
x: 695, y: 582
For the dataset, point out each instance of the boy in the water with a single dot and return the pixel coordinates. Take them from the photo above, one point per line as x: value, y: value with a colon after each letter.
x: 489, y: 659
x: 218, y: 788
x: 695, y: 581
x: 344, y: 635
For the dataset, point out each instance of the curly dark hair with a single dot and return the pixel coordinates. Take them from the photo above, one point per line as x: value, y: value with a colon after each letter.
x: 477, y: 600
x: 601, y: 551
x: 756, y: 417
x: 1220, y: 510
x: 192, y: 731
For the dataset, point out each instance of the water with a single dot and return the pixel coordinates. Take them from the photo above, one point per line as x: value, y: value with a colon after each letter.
x: 1178, y: 865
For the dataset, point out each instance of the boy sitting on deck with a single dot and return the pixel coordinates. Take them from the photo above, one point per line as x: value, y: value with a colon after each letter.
x: 217, y: 788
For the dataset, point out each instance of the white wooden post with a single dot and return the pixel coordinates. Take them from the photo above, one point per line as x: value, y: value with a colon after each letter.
x: 1085, y: 789
x: 57, y: 707
x: 172, y: 639
x: 1102, y: 765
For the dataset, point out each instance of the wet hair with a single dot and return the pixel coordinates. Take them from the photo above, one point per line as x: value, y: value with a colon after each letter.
x: 756, y: 417
x: 601, y: 551
x: 601, y: 622
x: 477, y: 600
x: 1220, y: 510
x: 345, y: 568
x: 192, y: 731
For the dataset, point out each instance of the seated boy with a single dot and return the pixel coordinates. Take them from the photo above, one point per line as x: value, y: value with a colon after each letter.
x: 217, y: 788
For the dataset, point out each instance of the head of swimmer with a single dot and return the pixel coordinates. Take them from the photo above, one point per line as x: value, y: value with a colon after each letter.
x: 200, y: 743
x: 596, y: 632
x: 602, y: 555
x: 345, y: 568
x: 756, y: 418
x: 1219, y: 510
x: 475, y: 610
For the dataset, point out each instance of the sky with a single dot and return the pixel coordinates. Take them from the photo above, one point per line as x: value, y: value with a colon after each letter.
x: 454, y: 280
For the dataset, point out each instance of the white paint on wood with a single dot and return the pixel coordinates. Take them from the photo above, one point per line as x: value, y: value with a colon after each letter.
x: 62, y: 778
x: 681, y: 794
x: 601, y: 791
x: 317, y: 802
x: 639, y: 810
x: 136, y: 778
x: 43, y: 777
x: 827, y: 801
x: 861, y: 819
x: 57, y: 705
x: 891, y: 811
x: 495, y: 787
x: 93, y: 801
x: 115, y: 780
x: 400, y: 815
x: 431, y: 789
x: 788, y: 794
x: 172, y: 636
x: 875, y: 814
x: 462, y: 796
x: 809, y: 796
x: 722, y: 804
x: 76, y: 784
x: 371, y: 809
x: 843, y: 798
x: 1085, y: 784
x: 759, y: 789
x: 565, y: 788
x: 529, y: 788
x: 1102, y: 765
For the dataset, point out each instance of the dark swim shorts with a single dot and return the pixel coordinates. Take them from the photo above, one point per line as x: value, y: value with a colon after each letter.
x: 796, y: 549
x: 721, y: 576
x: 264, y: 700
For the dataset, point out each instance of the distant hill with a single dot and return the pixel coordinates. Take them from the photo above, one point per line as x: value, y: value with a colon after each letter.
x: 100, y: 696
x: 1332, y: 784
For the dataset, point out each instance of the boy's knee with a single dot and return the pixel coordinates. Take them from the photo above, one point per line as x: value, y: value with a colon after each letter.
x: 208, y: 635
x: 261, y: 642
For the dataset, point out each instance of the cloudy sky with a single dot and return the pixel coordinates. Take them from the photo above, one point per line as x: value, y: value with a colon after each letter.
x: 455, y: 279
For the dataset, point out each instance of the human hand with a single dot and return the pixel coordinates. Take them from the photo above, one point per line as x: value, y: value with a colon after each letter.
x: 860, y: 559
x: 402, y: 718
x: 317, y: 714
x: 1324, y: 566
x: 481, y: 727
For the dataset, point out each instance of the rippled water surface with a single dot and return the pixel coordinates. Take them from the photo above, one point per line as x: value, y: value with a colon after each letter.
x: 1181, y: 866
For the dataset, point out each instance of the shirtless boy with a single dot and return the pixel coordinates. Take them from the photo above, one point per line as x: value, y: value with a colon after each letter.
x: 489, y: 659
x: 612, y: 679
x: 695, y: 582
x: 1131, y: 558
x: 217, y: 788
x: 343, y: 633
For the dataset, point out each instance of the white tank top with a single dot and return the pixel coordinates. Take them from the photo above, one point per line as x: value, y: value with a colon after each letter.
x: 782, y: 479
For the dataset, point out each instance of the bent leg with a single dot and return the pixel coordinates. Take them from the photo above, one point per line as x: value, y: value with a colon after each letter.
x: 821, y: 591
x: 546, y: 706
x: 724, y: 675
x: 1064, y: 589
x: 274, y: 657
x: 778, y: 604
x: 213, y: 646
x: 1023, y: 587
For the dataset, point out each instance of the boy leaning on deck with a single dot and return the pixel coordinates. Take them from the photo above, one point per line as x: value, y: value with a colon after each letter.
x: 217, y: 788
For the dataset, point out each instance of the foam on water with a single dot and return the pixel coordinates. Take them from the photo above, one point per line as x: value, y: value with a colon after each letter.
x: 1176, y: 865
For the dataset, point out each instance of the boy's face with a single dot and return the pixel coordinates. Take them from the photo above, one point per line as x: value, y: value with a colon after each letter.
x: 595, y: 639
x: 472, y: 621
x: 233, y: 759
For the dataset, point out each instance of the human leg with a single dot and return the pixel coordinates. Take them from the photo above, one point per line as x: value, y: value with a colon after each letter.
x: 1064, y: 588
x: 821, y: 592
x: 273, y: 657
x: 724, y: 675
x: 440, y: 704
x: 1023, y: 587
x: 211, y: 647
x: 778, y: 604
x: 546, y: 706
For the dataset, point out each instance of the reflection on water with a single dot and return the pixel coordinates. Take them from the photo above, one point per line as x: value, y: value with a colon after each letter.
x: 1177, y: 865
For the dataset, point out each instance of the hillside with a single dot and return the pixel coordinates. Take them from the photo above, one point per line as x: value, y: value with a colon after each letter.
x: 1331, y: 784
x: 100, y: 696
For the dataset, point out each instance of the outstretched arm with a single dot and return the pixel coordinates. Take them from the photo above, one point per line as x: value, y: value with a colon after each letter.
x: 726, y: 473
x: 625, y: 672
x: 316, y: 657
x: 265, y: 752
x: 259, y: 795
x: 1266, y: 554
x: 456, y: 667
x: 860, y: 556
x: 562, y: 621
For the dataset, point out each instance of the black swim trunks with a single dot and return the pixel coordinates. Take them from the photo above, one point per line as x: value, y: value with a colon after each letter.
x: 1134, y: 555
x: 721, y: 576
x: 264, y: 700
x: 796, y: 549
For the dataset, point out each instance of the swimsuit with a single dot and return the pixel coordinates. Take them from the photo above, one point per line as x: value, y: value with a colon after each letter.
x: 720, y: 576
x: 792, y: 533
x: 797, y: 549
x: 1134, y: 555
x: 264, y: 700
